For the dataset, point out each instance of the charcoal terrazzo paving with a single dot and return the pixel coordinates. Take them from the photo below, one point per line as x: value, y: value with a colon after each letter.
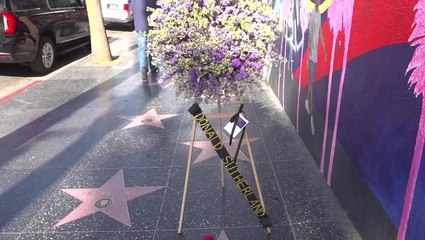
x: 19, y: 116
x: 22, y: 201
x: 41, y: 152
x: 325, y: 230
x: 132, y: 150
x: 236, y: 209
x: 279, y: 232
x: 66, y: 136
x: 107, y: 235
x: 8, y: 236
x: 305, y: 193
x: 203, y: 202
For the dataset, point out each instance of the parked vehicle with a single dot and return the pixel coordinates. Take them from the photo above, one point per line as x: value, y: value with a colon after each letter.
x: 35, y: 31
x: 116, y: 11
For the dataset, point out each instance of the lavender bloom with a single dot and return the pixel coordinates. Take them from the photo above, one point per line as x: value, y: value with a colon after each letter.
x: 228, y: 75
x: 166, y: 8
x: 226, y: 2
x: 236, y: 63
x: 254, y: 56
x: 166, y: 77
x: 175, y: 60
x: 242, y: 74
x: 215, y: 84
x: 179, y: 47
x: 218, y: 56
x: 201, y: 3
x: 258, y: 66
x: 224, y: 49
x: 189, y: 5
x: 193, y: 75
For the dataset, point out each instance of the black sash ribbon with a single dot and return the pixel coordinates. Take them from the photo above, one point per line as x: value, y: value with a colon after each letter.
x: 230, y: 165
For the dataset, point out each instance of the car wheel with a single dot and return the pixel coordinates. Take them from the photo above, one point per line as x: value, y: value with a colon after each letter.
x: 46, y: 57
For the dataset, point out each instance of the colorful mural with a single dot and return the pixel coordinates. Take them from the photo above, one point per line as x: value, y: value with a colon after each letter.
x: 417, y: 79
x: 361, y: 97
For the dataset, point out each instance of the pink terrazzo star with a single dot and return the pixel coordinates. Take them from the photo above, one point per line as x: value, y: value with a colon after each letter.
x: 209, y: 152
x: 111, y: 198
x: 223, y: 236
x: 149, y: 118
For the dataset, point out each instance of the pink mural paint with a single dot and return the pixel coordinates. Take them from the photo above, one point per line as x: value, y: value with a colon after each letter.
x: 346, y: 10
x: 299, y: 88
x: 417, y: 78
x: 328, y: 103
x: 335, y: 23
x: 280, y: 65
x: 285, y: 15
x: 286, y: 11
x: 304, y: 18
x: 282, y: 37
x: 284, y: 75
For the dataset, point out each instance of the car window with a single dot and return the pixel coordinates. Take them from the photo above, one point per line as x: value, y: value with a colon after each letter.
x: 58, y: 3
x: 27, y: 5
x: 75, y: 3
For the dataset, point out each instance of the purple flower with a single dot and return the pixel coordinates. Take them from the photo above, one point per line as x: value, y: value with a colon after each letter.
x: 166, y: 77
x: 218, y: 56
x: 201, y: 3
x: 228, y: 75
x: 225, y: 2
x: 242, y: 74
x: 166, y: 8
x: 175, y: 60
x: 193, y: 75
x: 236, y: 63
x: 254, y: 56
x: 224, y: 49
x: 258, y: 66
x: 189, y: 5
x: 179, y: 47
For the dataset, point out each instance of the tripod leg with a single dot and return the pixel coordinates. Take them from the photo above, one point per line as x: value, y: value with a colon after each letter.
x: 186, y: 180
x: 221, y: 137
x: 254, y: 170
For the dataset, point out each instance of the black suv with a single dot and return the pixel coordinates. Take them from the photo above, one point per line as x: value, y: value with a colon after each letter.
x: 35, y: 31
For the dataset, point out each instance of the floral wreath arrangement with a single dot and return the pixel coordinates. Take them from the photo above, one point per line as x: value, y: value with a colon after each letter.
x: 212, y: 49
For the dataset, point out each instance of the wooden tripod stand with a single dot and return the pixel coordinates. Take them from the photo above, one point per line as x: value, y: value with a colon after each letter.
x: 219, y: 116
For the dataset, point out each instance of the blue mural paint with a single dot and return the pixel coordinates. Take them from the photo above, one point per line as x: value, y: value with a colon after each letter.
x: 379, y: 121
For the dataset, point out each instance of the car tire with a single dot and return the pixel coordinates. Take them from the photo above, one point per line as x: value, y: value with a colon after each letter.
x: 46, y: 57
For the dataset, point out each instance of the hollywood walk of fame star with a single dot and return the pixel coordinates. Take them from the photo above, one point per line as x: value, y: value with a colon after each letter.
x: 209, y: 152
x: 111, y: 199
x: 223, y: 236
x: 149, y: 118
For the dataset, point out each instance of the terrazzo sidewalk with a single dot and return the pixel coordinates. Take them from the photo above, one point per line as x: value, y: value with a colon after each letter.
x: 93, y: 154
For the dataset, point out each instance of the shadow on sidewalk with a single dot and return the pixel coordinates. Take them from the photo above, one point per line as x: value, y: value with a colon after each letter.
x: 16, y: 199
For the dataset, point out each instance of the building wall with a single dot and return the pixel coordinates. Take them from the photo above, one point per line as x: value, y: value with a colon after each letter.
x: 367, y: 107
